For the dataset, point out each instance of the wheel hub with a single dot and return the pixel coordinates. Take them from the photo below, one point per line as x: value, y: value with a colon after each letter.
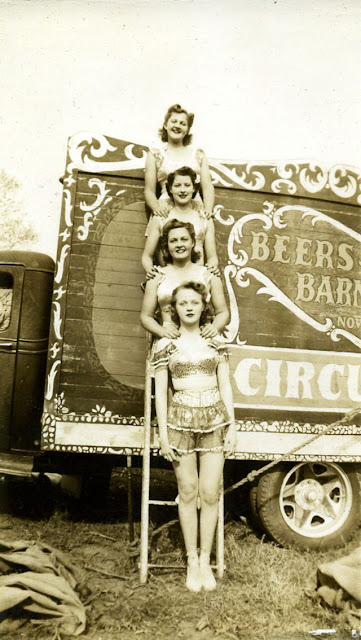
x: 309, y: 494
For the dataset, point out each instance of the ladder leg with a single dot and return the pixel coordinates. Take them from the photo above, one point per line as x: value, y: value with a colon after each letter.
x: 144, y: 527
x: 130, y: 499
x: 220, y: 533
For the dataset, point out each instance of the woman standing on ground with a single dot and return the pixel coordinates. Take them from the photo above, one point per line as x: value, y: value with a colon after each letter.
x: 176, y: 151
x: 197, y: 428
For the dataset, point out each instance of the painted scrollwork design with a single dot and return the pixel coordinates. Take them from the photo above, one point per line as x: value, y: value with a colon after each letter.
x: 93, y: 209
x: 243, y: 273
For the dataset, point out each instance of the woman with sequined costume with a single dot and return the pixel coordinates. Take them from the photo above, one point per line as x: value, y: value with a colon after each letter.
x: 176, y: 151
x: 198, y: 423
x: 178, y: 242
x: 182, y: 189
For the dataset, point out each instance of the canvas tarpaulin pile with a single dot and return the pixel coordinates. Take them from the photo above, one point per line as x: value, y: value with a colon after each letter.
x: 39, y: 579
x: 338, y: 583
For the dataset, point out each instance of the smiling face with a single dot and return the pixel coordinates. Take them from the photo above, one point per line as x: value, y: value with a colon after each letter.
x: 182, y: 190
x: 177, y: 127
x: 180, y: 244
x: 189, y: 306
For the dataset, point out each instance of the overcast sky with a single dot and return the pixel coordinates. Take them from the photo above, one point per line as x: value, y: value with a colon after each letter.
x: 267, y: 79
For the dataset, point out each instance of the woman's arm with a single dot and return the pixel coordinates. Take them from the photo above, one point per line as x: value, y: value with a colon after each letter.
x: 221, y: 313
x: 161, y: 407
x: 150, y: 186
x: 151, y: 244
x: 148, y: 310
x: 219, y: 304
x: 210, y: 246
x: 225, y: 390
x: 207, y: 187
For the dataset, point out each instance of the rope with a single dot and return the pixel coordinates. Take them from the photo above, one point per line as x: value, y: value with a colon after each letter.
x: 250, y: 477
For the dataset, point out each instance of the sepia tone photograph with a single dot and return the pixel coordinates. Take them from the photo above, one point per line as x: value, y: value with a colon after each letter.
x: 180, y: 319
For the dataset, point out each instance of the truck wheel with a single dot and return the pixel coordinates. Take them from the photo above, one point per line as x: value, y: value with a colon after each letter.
x: 255, y: 520
x: 310, y: 505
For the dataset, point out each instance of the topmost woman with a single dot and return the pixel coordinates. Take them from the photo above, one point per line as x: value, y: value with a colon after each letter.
x: 176, y: 152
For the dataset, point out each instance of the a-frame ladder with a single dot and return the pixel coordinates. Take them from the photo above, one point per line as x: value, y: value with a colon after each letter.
x: 144, y: 565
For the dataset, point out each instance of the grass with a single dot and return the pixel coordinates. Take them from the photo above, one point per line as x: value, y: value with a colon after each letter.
x: 263, y: 595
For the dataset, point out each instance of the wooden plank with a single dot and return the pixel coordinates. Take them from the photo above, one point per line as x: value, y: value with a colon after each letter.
x: 120, y: 278
x: 119, y: 226
x: 118, y: 240
x: 113, y: 251
x: 111, y: 349
x: 124, y: 368
x: 138, y: 345
x: 99, y: 435
x: 81, y: 385
x: 102, y: 287
x: 113, y: 182
x: 133, y: 303
x: 74, y: 328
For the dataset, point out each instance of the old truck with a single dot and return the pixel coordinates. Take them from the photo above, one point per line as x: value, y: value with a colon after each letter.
x: 72, y: 351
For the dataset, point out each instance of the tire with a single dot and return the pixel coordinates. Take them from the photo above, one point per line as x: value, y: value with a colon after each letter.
x: 310, y: 505
x: 255, y: 519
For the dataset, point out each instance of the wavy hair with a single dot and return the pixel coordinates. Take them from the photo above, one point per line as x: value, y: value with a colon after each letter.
x: 201, y: 289
x: 177, y: 224
x: 176, y: 108
x: 182, y: 171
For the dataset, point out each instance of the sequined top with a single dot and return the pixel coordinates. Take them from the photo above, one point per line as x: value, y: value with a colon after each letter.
x: 183, y: 363
x: 168, y: 282
x: 166, y: 164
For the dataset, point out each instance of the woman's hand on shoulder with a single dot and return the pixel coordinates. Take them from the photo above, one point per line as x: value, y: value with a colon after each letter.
x: 162, y: 209
x: 209, y: 213
x: 170, y: 331
x: 230, y: 440
x: 213, y: 269
x: 153, y: 272
x: 208, y: 331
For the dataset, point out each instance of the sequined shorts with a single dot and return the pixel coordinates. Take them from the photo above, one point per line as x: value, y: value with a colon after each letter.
x: 197, y: 421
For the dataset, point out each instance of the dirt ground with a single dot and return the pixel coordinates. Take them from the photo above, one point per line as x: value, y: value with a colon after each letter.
x: 261, y: 597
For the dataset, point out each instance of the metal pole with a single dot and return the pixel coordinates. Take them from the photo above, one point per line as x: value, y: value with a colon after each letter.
x: 220, y: 533
x: 130, y: 499
x: 144, y: 528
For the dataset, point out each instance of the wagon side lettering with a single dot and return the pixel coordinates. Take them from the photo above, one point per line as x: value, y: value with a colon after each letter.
x: 324, y: 253
x: 302, y: 252
x: 327, y: 380
x: 299, y: 374
x: 343, y: 291
x: 260, y: 250
x: 273, y: 378
x: 324, y: 291
x: 345, y: 260
x: 280, y: 248
x: 305, y: 289
x: 242, y: 375
x: 354, y: 382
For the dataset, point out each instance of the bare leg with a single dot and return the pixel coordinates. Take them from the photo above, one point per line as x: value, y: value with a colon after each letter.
x: 210, y: 473
x: 187, y: 479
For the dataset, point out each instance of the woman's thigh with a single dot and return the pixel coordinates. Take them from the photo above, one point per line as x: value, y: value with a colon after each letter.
x: 210, y: 471
x: 186, y: 471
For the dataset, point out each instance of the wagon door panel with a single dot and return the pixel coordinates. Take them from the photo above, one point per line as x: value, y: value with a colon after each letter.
x: 11, y: 284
